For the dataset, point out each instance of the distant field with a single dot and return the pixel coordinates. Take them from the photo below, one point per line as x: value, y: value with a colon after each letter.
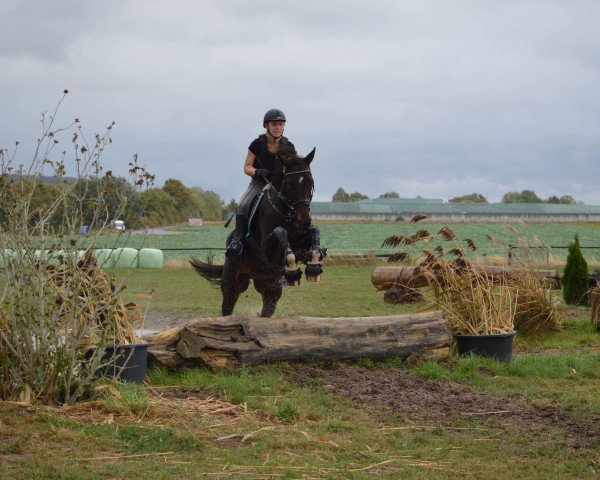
x: 365, y: 238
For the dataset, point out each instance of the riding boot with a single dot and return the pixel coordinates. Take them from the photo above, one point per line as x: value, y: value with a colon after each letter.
x: 236, y: 246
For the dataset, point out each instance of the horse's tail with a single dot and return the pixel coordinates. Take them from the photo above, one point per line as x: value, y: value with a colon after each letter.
x: 211, y: 272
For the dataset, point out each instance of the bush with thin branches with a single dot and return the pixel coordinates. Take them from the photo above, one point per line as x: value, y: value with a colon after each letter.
x: 59, y: 309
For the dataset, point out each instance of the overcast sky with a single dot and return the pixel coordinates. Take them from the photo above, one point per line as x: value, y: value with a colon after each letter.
x: 431, y: 98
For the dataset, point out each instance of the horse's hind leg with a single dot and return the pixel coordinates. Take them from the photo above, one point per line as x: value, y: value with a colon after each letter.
x: 270, y: 291
x: 232, y: 285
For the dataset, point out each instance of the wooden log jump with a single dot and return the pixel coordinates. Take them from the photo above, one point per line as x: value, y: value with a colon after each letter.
x: 224, y: 342
x: 384, y: 278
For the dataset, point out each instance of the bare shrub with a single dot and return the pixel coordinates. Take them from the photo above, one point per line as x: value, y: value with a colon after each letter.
x: 57, y: 302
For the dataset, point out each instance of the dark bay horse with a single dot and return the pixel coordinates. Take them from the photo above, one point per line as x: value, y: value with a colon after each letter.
x: 280, y: 234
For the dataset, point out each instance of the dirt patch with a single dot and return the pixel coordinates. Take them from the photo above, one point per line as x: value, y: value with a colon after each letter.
x: 396, y: 392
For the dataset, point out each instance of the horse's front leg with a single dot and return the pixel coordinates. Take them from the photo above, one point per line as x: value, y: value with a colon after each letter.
x: 277, y: 244
x: 292, y: 273
x: 314, y: 267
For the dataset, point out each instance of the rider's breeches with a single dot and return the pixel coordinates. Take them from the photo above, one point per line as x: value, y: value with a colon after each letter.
x: 252, y: 191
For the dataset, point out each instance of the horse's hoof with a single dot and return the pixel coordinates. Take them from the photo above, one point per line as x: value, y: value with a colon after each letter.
x: 292, y: 277
x: 313, y: 271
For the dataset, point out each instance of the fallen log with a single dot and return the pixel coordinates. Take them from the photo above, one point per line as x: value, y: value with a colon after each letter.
x: 224, y: 342
x: 384, y: 278
x: 400, y: 295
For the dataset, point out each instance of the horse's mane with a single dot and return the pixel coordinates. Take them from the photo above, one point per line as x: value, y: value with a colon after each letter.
x: 286, y: 151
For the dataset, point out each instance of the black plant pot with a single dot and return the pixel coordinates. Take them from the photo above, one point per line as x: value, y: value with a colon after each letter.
x: 130, y: 362
x: 497, y: 346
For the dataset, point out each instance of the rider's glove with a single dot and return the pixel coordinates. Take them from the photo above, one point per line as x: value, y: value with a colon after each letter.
x: 262, y: 174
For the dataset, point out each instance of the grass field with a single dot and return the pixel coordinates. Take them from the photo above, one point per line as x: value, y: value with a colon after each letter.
x: 353, y: 238
x: 535, y: 418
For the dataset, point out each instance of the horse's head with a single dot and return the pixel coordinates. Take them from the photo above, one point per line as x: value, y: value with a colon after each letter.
x: 296, y: 185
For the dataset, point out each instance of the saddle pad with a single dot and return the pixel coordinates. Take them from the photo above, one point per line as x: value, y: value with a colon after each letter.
x: 253, y: 208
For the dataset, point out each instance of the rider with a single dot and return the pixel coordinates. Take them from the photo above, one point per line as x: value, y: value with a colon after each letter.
x: 260, y: 164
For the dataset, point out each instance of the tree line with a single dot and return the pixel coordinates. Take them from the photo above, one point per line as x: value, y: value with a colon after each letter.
x: 524, y: 196
x: 175, y: 203
x: 116, y: 198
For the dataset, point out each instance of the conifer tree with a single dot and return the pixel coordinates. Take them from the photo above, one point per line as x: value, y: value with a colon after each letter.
x: 575, y: 276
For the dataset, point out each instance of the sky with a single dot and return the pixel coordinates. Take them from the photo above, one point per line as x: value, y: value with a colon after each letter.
x: 431, y: 98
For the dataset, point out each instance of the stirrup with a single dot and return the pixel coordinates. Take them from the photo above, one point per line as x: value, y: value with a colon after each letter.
x: 235, y: 249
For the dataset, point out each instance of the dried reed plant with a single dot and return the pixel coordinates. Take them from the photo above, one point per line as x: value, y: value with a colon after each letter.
x: 478, y: 299
x: 595, y: 300
x: 90, y: 295
x: 473, y: 302
x: 473, y: 305
x: 538, y: 309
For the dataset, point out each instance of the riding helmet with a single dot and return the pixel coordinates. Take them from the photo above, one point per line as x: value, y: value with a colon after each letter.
x: 273, y: 115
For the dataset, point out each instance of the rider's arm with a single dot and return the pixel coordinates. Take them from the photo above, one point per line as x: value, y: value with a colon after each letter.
x: 249, y: 164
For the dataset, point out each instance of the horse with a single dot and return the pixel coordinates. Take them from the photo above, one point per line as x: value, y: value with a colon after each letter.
x: 281, y: 233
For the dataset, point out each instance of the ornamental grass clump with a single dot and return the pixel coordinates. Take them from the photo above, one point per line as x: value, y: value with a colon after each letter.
x: 595, y: 301
x: 471, y: 300
x: 478, y: 299
x: 538, y: 308
x: 473, y: 305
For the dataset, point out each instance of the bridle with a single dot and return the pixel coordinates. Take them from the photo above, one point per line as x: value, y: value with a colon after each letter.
x: 291, y: 206
x: 303, y: 201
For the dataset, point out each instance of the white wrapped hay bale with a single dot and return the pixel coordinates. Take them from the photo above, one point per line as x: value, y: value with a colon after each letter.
x: 55, y: 257
x: 105, y: 257
x: 4, y: 256
x: 125, y: 257
x: 150, y: 258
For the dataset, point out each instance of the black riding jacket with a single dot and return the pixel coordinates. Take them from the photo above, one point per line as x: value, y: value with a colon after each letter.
x: 264, y: 157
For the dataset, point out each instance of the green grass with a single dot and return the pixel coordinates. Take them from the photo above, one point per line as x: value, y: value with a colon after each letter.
x: 133, y: 398
x: 348, y: 287
x: 569, y: 379
x: 136, y: 439
x: 366, y: 237
x: 577, y: 332
x: 302, y: 432
x: 294, y: 431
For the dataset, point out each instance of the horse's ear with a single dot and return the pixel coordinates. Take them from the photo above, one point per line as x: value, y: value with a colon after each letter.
x: 310, y: 156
